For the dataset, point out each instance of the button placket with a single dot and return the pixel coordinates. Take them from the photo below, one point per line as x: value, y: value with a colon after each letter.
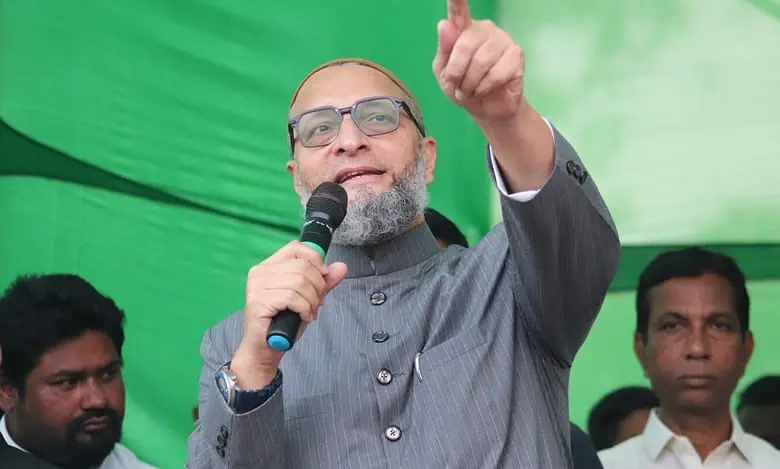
x: 384, y: 376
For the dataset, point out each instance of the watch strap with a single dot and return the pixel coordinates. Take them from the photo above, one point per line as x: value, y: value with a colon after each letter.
x: 247, y: 400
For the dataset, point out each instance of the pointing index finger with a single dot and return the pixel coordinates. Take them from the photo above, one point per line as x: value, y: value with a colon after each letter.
x: 458, y: 12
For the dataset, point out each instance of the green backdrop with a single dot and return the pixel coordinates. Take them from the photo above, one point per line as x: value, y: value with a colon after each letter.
x: 142, y: 145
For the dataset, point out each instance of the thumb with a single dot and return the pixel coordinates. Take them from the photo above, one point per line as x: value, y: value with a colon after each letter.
x: 336, y: 273
x: 448, y: 34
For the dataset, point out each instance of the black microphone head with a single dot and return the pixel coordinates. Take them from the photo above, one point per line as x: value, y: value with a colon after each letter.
x: 331, y: 199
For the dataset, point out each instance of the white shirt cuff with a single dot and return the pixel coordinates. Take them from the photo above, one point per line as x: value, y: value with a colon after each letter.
x: 524, y: 196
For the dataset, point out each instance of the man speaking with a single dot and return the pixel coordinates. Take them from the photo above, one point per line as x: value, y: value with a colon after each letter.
x: 410, y: 355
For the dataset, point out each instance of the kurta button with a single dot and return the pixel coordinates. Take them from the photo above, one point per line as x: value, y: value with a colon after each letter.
x: 380, y: 336
x: 393, y: 433
x: 377, y: 298
x: 384, y: 376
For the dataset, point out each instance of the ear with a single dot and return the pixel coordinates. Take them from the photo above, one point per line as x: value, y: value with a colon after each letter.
x: 748, y: 344
x: 429, y: 154
x: 8, y: 395
x: 640, y: 351
x: 292, y: 170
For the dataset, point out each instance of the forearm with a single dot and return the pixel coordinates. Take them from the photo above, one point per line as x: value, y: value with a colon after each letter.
x: 523, y: 147
x: 565, y: 250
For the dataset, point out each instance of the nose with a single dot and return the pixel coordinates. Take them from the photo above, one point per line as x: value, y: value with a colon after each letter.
x: 698, y: 346
x: 350, y: 141
x: 95, y: 395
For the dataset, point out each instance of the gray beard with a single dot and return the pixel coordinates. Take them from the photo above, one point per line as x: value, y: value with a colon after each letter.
x: 375, y: 217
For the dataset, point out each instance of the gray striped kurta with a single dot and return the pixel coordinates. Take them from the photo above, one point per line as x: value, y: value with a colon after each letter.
x: 496, y: 328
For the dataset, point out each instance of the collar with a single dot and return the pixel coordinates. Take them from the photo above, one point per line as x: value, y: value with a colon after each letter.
x: 7, y: 436
x: 741, y: 440
x: 657, y: 436
x: 410, y: 248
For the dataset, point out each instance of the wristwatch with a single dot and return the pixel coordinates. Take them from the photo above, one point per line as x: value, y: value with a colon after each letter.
x: 244, y: 400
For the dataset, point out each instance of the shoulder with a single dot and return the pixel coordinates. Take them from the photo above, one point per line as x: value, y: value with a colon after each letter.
x: 495, y: 239
x: 494, y: 245
x: 623, y: 455
x: 123, y: 458
x: 489, y: 253
x: 13, y: 458
x: 763, y: 453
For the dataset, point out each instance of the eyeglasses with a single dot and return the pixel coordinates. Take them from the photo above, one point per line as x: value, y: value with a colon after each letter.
x: 372, y: 116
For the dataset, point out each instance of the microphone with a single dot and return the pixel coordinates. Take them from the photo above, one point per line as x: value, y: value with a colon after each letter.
x: 325, y: 211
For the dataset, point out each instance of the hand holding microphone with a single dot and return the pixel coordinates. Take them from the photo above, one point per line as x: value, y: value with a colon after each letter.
x: 285, y: 291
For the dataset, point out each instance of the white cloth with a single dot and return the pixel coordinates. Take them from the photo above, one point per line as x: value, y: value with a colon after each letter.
x: 119, y: 458
x: 658, y: 448
x: 524, y: 196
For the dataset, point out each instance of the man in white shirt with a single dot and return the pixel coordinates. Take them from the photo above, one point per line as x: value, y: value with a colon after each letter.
x: 61, y: 384
x: 694, y: 342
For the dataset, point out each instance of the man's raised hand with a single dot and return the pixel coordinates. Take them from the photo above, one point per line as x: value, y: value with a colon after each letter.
x: 478, y: 65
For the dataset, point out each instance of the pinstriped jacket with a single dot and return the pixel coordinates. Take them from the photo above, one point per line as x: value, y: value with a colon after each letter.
x: 494, y: 328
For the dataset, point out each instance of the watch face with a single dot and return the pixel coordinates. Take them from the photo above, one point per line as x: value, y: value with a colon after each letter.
x: 223, y: 386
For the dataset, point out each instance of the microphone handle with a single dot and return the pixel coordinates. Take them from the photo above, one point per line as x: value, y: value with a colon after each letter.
x: 283, y: 330
x: 284, y: 326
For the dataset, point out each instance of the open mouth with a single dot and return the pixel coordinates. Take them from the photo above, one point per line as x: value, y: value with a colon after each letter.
x: 357, y: 174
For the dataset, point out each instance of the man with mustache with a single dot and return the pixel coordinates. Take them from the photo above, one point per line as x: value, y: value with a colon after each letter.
x: 61, y: 383
x: 693, y: 341
x: 414, y: 356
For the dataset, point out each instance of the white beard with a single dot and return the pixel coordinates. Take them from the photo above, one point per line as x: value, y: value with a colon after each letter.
x: 375, y: 217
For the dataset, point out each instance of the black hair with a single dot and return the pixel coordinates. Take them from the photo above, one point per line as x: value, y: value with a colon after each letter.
x: 610, y: 410
x: 39, y: 312
x: 763, y: 392
x: 691, y: 262
x: 443, y: 228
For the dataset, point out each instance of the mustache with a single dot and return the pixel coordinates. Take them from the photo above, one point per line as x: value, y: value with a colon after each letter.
x: 115, y: 420
x: 335, y: 170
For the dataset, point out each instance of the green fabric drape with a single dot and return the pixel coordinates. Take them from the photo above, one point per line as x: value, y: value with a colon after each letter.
x: 142, y: 145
